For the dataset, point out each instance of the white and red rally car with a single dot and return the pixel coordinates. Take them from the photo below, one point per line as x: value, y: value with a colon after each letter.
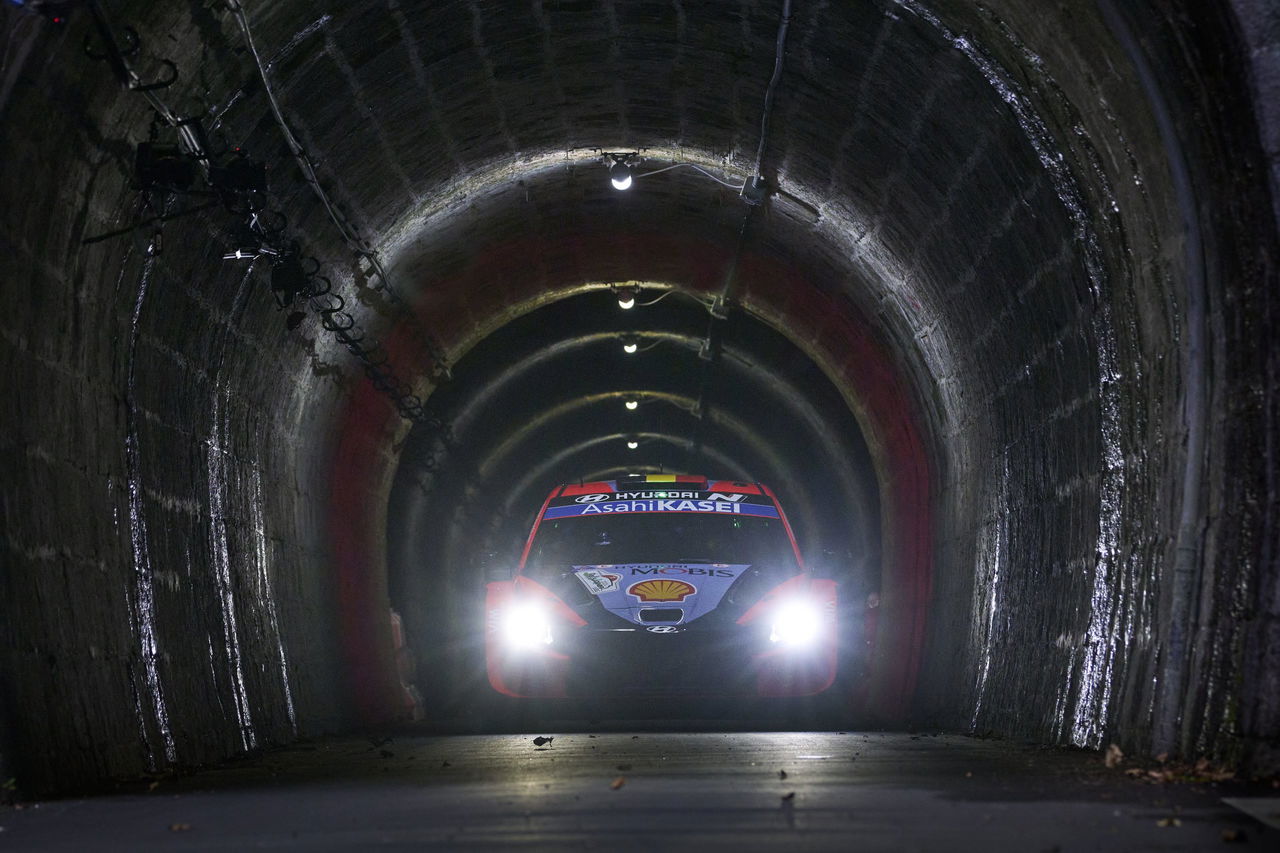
x: 661, y: 584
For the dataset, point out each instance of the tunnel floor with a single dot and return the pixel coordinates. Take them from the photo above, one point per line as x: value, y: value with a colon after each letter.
x: 654, y: 790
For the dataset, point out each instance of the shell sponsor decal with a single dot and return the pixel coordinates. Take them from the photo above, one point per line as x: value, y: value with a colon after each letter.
x: 663, y: 589
x: 597, y: 581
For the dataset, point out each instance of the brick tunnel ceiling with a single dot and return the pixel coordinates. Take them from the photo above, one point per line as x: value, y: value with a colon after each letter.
x: 960, y: 315
x: 468, y: 148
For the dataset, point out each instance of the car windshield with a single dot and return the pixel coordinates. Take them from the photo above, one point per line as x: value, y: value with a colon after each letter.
x: 668, y: 537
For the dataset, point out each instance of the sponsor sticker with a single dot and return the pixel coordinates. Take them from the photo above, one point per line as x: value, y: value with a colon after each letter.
x: 683, y: 570
x: 597, y: 581
x: 661, y: 505
x: 696, y: 588
x: 631, y: 496
x: 661, y: 590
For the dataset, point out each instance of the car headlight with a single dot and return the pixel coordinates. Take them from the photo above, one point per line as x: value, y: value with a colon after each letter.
x: 526, y: 626
x: 796, y: 623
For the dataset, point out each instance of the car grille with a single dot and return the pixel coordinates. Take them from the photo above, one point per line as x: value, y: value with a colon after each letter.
x: 640, y: 662
x: 666, y: 614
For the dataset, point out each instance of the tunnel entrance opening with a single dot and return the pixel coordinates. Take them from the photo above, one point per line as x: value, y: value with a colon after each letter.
x: 543, y: 400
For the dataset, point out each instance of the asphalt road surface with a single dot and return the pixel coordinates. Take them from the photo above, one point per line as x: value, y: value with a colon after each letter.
x: 656, y: 791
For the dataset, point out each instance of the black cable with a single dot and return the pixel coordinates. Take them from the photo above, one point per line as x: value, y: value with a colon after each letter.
x: 719, y: 309
x: 267, y: 234
x: 773, y: 84
x: 361, y: 247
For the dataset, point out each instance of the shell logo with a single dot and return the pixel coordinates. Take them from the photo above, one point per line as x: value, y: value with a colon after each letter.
x: 662, y: 590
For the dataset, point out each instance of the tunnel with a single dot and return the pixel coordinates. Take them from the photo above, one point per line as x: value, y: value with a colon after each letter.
x: 309, y: 305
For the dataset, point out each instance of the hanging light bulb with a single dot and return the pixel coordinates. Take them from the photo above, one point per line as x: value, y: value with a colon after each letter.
x: 632, y: 445
x: 626, y: 298
x: 632, y: 405
x: 620, y: 175
x: 629, y: 345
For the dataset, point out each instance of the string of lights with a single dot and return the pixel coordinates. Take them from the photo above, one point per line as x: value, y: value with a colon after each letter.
x: 753, y: 190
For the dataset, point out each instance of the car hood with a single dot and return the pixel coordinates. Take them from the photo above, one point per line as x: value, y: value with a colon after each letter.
x: 627, y: 589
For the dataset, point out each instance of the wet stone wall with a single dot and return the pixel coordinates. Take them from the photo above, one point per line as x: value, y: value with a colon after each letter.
x: 1078, y: 493
x: 1252, y: 317
x: 1046, y: 399
x: 164, y: 600
x: 1058, y: 229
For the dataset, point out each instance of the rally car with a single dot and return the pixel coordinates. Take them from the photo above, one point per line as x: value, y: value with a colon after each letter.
x: 660, y: 584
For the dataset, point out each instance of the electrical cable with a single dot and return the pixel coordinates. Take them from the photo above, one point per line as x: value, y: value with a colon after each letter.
x: 362, y: 248
x: 695, y: 167
x: 719, y: 309
x: 773, y: 84
x: 656, y: 300
x: 318, y: 290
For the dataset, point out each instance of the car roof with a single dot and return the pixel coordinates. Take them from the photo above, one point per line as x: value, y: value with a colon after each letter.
x: 692, y: 482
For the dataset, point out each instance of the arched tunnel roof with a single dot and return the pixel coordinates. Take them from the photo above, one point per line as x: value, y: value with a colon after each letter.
x: 994, y: 326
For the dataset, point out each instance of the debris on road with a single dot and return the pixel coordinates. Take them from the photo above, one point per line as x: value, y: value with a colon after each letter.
x: 782, y: 774
x: 618, y: 783
x: 541, y: 740
x: 789, y: 796
x: 1203, y: 771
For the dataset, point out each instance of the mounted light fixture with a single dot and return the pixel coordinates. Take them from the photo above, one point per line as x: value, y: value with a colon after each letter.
x: 621, y: 166
x: 622, y: 175
x: 632, y: 405
x: 632, y: 444
x: 626, y: 297
x: 630, y: 344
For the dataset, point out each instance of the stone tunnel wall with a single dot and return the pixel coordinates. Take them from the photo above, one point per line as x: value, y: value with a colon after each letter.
x: 169, y: 596
x: 1056, y: 530
x: 1254, y: 374
x: 164, y: 463
x: 1071, y: 504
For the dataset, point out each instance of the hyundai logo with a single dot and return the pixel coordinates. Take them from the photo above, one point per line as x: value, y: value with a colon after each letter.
x: 663, y: 629
x: 590, y: 499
